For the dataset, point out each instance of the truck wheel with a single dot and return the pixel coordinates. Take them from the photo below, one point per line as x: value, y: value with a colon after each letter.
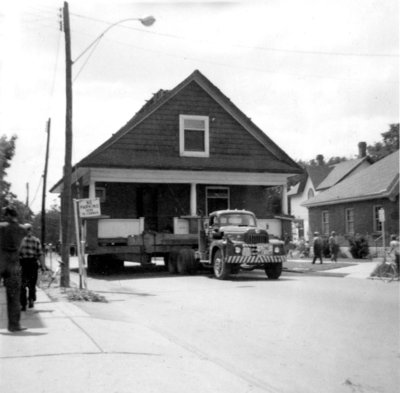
x: 273, y: 270
x: 171, y: 262
x: 186, y: 262
x: 221, y: 268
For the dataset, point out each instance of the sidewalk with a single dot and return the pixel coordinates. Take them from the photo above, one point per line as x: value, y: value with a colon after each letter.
x: 348, y: 268
x: 65, y: 350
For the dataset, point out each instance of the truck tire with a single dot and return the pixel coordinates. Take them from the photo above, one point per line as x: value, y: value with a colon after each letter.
x: 273, y: 270
x: 221, y: 268
x: 186, y: 262
x: 171, y: 262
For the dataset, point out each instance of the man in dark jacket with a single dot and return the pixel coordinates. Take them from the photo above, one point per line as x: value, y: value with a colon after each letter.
x: 11, y: 235
x: 317, y: 247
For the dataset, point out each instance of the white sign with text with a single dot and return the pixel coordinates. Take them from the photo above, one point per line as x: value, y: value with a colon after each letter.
x: 89, y: 207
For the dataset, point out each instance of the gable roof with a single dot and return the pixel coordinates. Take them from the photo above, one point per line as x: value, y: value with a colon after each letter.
x: 380, y: 180
x: 282, y: 163
x: 316, y: 173
x: 340, y: 171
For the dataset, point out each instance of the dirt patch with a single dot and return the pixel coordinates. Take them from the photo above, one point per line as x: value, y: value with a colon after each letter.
x: 50, y: 284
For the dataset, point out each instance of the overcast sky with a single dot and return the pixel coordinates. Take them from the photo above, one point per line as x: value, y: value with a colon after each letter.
x: 317, y: 76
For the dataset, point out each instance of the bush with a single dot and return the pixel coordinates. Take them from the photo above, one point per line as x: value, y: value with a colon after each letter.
x: 359, y: 247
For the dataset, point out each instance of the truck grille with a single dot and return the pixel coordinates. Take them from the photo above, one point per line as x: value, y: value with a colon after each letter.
x: 256, y: 238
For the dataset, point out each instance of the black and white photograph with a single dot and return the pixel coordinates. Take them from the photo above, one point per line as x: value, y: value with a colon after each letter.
x: 199, y: 196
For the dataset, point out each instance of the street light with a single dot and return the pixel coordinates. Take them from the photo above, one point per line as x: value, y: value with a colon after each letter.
x: 147, y: 21
x: 66, y: 196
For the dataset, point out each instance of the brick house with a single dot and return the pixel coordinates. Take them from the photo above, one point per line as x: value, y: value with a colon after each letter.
x: 352, y: 206
x: 186, y: 152
x: 317, y: 179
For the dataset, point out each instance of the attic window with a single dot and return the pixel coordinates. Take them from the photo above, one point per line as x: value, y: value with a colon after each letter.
x: 193, y: 136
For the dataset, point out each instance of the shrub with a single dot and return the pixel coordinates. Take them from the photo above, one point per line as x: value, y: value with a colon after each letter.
x: 359, y: 247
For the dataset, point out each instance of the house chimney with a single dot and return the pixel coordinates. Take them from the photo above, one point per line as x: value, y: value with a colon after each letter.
x: 320, y: 160
x: 362, y: 149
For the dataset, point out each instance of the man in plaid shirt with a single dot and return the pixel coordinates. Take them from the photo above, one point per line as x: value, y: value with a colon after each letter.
x: 30, y: 253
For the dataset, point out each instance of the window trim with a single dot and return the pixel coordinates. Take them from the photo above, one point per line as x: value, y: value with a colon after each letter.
x: 375, y: 217
x: 102, y: 190
x: 325, y: 213
x: 347, y: 222
x: 182, y: 151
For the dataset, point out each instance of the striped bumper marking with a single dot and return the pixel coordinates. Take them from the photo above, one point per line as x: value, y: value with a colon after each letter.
x: 257, y: 259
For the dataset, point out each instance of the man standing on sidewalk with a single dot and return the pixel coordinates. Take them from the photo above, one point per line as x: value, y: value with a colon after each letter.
x: 30, y: 254
x: 11, y: 235
x: 317, y: 248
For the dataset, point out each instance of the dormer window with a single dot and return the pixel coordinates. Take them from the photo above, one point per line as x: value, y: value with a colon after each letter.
x: 193, y: 136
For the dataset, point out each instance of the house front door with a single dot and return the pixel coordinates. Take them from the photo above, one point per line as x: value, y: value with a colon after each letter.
x: 147, y: 207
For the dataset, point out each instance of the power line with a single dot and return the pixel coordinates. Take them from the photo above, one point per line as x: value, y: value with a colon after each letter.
x: 270, y: 49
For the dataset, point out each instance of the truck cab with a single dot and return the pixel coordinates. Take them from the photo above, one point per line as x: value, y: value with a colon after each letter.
x: 231, y: 241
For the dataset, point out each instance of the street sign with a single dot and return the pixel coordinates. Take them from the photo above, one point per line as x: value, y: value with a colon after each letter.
x: 89, y: 207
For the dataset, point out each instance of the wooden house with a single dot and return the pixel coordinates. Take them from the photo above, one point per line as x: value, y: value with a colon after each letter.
x: 188, y: 151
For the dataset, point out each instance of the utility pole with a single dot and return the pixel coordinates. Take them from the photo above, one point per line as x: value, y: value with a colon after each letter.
x: 43, y: 237
x: 66, y: 198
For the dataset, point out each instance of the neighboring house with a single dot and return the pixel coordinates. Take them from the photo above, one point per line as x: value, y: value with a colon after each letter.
x: 347, y: 168
x: 188, y: 151
x: 352, y: 206
x: 320, y: 178
x: 305, y: 189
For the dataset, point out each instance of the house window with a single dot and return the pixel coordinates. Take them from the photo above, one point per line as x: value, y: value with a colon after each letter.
x: 377, y: 223
x: 325, y: 222
x: 349, y: 220
x: 101, y: 194
x: 193, y: 136
x: 217, y: 198
x: 310, y: 193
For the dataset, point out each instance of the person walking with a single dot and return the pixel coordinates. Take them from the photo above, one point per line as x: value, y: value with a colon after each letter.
x: 30, y: 255
x: 333, y: 246
x: 11, y: 235
x: 394, y: 250
x: 317, y: 248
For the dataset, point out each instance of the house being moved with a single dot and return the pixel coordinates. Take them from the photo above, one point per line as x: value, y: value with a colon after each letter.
x: 188, y: 151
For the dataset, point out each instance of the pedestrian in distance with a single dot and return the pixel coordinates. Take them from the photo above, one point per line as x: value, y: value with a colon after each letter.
x: 333, y: 246
x: 317, y: 248
x: 11, y: 235
x: 394, y: 250
x: 30, y: 257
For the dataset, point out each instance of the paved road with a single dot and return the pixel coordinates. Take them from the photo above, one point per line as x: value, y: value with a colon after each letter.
x: 297, y: 334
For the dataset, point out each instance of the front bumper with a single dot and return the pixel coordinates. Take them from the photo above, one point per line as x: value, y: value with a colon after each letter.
x: 256, y: 259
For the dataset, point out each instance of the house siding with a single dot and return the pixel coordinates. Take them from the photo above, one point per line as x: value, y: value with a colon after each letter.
x: 363, y: 217
x: 155, y: 141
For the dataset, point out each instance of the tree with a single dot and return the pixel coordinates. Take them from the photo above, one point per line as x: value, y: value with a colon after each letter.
x: 53, y: 217
x: 7, y: 151
x: 389, y: 144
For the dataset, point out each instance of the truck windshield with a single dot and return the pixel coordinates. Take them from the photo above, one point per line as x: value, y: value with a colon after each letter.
x: 237, y: 219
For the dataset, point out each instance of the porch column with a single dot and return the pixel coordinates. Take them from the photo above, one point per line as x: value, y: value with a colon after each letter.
x: 92, y: 189
x: 284, y: 200
x: 193, y: 200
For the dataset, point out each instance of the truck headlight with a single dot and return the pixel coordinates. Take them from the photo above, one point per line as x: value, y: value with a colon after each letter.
x: 238, y: 250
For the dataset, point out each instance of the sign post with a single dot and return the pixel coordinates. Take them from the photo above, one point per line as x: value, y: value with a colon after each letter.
x: 83, y: 208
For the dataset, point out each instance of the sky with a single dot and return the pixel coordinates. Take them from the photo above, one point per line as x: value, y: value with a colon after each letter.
x: 317, y: 76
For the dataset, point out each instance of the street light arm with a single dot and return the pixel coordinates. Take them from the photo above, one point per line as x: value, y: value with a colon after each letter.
x: 147, y: 21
